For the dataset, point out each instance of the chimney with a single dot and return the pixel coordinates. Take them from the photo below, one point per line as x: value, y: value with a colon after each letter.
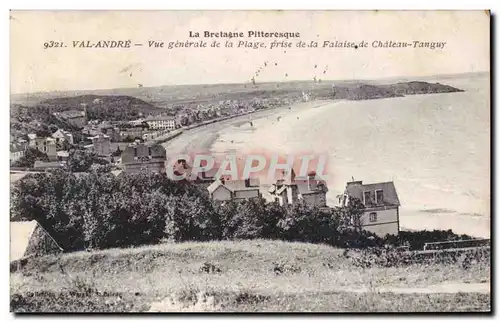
x: 247, y: 182
x: 311, y: 180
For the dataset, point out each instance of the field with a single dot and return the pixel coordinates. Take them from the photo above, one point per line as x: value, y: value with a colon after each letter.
x: 244, y: 276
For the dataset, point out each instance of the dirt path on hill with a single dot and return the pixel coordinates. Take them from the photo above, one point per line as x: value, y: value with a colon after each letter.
x: 453, y: 287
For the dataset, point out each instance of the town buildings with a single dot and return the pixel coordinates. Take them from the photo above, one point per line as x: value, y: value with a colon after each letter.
x: 107, y: 129
x: 63, y: 136
x: 101, y: 145
x: 237, y: 190
x: 290, y: 189
x: 139, y: 156
x: 52, y: 165
x: 381, y: 213
x: 161, y: 122
x: 44, y: 145
x: 17, y: 149
x: 203, y: 179
x: 132, y: 133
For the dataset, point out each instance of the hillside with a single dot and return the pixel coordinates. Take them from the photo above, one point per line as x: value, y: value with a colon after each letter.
x: 100, y: 107
x: 363, y: 91
x: 104, y: 107
x: 97, y: 100
x: 413, y: 88
x: 162, y: 96
x: 256, y: 275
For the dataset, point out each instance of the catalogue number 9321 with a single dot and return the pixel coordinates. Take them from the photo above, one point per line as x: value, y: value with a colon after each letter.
x: 53, y: 44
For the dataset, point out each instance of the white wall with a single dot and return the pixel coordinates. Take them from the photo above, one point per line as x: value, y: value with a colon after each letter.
x: 382, y: 230
x: 246, y: 194
x: 386, y: 222
x: 318, y: 199
x: 221, y: 193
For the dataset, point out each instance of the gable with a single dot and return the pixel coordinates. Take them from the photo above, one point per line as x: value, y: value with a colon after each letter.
x: 221, y: 187
x: 20, y: 235
x: 28, y: 238
x: 390, y: 196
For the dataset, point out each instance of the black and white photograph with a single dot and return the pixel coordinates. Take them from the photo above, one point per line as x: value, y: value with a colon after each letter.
x: 250, y: 161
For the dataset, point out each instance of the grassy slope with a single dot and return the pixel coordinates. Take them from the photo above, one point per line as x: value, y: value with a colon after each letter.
x: 313, y: 279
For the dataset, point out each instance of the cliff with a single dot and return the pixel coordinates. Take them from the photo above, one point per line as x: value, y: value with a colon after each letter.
x: 365, y: 92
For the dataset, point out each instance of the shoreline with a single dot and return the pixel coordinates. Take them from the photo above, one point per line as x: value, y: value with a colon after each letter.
x: 413, y: 216
x: 190, y: 137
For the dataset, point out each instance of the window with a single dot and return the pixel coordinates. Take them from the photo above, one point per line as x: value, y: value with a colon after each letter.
x: 379, y: 197
x: 373, y: 217
x: 367, y: 198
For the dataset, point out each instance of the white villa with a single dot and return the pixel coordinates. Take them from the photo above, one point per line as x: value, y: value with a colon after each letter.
x: 161, y: 123
x: 381, y: 215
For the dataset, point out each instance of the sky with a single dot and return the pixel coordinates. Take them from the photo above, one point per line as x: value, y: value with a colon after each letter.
x: 35, y: 69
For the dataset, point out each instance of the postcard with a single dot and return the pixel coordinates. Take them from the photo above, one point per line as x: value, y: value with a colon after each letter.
x: 250, y: 161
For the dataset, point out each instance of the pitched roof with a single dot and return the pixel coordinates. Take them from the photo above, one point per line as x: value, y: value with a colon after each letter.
x: 215, y: 185
x: 24, y: 241
x: 134, y: 151
x: 160, y: 118
x: 390, y: 197
x: 63, y: 154
x: 53, y: 164
x: 240, y: 185
x: 234, y: 185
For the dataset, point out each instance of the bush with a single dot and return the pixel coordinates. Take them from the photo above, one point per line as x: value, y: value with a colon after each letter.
x: 99, y: 210
x: 30, y: 156
x: 417, y: 239
x: 82, y: 160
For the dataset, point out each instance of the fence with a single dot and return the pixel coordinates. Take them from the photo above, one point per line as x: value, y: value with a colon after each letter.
x: 467, y: 243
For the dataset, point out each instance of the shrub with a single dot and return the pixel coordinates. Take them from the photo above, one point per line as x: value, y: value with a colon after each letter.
x: 30, y: 156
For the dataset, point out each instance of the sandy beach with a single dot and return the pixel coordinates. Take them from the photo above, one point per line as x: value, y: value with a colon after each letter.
x: 306, y: 127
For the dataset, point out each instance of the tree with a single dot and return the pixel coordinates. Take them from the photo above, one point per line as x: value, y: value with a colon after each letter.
x: 53, y: 128
x: 82, y: 160
x: 30, y: 156
x: 350, y: 217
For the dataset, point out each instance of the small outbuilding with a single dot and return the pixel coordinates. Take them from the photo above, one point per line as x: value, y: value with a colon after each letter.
x: 29, y: 239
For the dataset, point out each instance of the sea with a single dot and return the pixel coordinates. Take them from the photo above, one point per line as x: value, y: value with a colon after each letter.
x: 434, y: 147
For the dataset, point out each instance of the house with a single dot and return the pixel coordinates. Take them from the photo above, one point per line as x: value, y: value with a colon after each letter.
x: 112, y: 131
x: 28, y: 239
x: 62, y: 155
x: 101, y: 145
x: 62, y: 136
x: 131, y: 132
x: 290, y: 189
x: 17, y: 150
x: 161, y: 122
x: 381, y: 213
x: 223, y: 190
x: 16, y: 154
x: 44, y: 145
x: 40, y: 165
x: 203, y: 179
x: 139, y: 156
